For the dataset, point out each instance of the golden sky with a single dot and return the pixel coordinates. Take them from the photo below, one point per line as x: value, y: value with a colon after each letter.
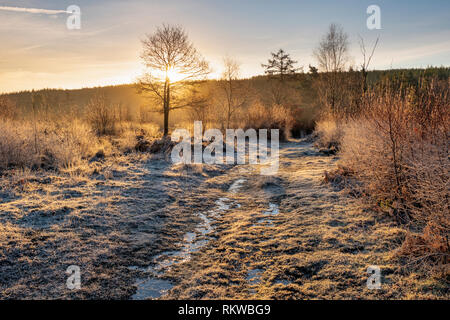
x: 38, y: 51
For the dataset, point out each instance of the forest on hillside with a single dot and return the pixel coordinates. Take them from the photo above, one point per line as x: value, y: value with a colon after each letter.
x: 300, y: 94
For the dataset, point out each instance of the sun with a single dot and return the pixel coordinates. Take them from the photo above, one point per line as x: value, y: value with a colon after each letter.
x: 174, y: 75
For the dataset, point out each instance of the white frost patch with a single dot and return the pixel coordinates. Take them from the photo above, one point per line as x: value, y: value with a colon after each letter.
x: 254, y: 276
x: 236, y: 186
x: 274, y: 210
x: 189, y: 237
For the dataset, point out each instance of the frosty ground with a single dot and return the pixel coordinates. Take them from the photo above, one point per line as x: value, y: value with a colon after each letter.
x: 141, y: 228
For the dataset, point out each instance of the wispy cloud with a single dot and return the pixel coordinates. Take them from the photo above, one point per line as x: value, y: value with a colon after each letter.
x: 33, y: 10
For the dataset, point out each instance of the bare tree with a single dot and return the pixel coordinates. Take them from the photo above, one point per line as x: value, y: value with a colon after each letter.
x: 313, y: 70
x: 332, y: 57
x: 174, y: 66
x: 280, y: 65
x: 367, y: 58
x: 235, y: 95
x: 332, y: 52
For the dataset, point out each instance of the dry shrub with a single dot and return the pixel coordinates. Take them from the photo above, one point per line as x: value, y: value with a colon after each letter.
x: 258, y: 116
x: 17, y: 146
x: 399, y: 149
x: 329, y: 132
x: 365, y: 151
x: 132, y: 134
x: 67, y: 143
x: 339, y: 177
x: 428, y: 250
x: 102, y: 116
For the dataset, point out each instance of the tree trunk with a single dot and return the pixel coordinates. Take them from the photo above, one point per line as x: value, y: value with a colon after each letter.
x: 166, y: 107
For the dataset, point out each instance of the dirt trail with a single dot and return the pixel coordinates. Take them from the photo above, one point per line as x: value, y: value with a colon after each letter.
x: 143, y: 228
x: 291, y: 236
x: 286, y: 236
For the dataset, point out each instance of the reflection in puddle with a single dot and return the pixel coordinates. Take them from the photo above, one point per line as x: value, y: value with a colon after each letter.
x: 221, y: 204
x: 254, y: 278
x: 151, y: 288
x: 264, y: 221
x: 205, y: 226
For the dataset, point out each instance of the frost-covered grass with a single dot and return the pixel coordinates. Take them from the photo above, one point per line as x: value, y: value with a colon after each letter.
x: 290, y: 236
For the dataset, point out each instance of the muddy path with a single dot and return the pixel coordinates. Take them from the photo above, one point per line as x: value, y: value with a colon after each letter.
x: 141, y: 228
x: 288, y: 236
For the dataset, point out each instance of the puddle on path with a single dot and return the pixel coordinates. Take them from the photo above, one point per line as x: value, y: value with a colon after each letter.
x: 151, y: 288
x: 154, y: 287
x: 283, y: 282
x: 273, y: 210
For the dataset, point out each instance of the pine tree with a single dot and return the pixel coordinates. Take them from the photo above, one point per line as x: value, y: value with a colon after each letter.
x: 280, y: 65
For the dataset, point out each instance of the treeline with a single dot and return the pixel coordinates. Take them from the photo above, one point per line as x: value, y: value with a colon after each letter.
x: 301, y: 96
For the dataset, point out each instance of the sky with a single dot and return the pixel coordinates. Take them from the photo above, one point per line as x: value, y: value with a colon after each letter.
x: 38, y: 51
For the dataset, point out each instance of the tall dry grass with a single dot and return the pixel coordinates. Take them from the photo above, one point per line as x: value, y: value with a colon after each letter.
x: 258, y: 116
x: 7, y: 109
x: 64, y: 140
x: 45, y: 145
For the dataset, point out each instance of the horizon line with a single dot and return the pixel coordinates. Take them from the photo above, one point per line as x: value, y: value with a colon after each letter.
x: 209, y: 79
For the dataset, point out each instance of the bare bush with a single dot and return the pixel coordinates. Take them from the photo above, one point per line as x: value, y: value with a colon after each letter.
x: 16, y: 145
x: 399, y: 149
x: 102, y: 116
